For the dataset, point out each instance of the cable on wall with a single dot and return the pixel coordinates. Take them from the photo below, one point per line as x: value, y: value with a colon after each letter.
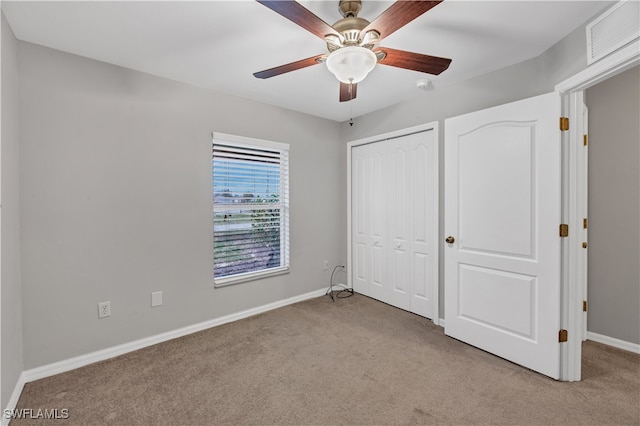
x: 344, y: 291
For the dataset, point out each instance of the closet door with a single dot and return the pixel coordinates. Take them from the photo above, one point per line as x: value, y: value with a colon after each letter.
x: 398, y: 289
x: 412, y: 222
x: 359, y: 219
x: 422, y: 216
x: 377, y: 239
x: 394, y: 221
x: 368, y: 220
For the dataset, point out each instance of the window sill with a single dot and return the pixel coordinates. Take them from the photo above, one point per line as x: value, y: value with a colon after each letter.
x: 250, y: 276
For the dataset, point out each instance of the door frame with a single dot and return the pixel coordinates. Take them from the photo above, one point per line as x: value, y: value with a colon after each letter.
x: 573, y: 275
x: 432, y: 126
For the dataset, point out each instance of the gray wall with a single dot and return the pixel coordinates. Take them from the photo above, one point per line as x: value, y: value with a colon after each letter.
x: 116, y: 203
x: 614, y: 207
x: 529, y: 78
x: 11, y: 297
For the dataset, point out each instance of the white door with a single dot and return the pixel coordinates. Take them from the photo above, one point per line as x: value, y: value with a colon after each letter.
x: 412, y: 222
x: 397, y: 180
x: 368, y: 220
x: 502, y: 214
x: 423, y: 206
x: 394, y: 221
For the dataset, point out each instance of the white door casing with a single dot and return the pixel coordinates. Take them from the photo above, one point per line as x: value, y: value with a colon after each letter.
x: 571, y: 91
x: 503, y: 208
x: 583, y: 196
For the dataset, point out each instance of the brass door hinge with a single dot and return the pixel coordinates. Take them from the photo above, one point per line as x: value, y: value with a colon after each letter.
x: 585, y: 306
x: 564, y: 123
x: 585, y: 223
x: 586, y: 140
x: 563, y: 336
x: 564, y: 230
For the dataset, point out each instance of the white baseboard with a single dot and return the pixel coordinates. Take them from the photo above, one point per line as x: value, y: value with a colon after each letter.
x: 15, y: 396
x: 101, y: 355
x: 611, y: 341
x: 595, y: 337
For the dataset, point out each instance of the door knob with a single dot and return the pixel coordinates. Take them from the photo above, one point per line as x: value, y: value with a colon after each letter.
x: 450, y: 239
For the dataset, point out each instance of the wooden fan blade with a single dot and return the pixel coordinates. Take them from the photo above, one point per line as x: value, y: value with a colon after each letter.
x: 303, y: 63
x: 348, y: 91
x: 300, y: 15
x: 397, y: 16
x: 414, y: 61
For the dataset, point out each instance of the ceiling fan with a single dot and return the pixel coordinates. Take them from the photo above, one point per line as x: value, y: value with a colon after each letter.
x: 352, y: 41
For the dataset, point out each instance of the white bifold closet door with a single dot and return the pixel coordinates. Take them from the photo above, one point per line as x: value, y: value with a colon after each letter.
x: 394, y: 215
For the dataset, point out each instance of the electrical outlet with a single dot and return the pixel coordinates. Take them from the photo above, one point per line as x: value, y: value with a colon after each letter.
x: 104, y: 309
x: 325, y: 265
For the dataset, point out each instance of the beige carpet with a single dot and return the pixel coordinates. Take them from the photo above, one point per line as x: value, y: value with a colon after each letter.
x: 355, y: 361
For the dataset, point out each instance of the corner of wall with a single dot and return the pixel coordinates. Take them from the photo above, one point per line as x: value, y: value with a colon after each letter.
x: 11, y: 343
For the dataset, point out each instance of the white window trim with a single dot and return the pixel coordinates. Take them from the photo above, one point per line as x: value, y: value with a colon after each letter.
x: 242, y: 141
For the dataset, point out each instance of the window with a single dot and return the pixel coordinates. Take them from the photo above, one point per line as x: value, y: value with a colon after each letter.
x: 250, y: 208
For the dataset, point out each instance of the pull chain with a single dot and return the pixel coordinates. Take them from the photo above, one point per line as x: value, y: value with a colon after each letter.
x: 351, y: 104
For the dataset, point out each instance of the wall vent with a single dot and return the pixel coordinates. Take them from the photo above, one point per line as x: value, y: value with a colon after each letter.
x: 612, y: 30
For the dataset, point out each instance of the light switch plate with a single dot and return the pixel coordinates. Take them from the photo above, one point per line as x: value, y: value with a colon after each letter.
x: 156, y: 299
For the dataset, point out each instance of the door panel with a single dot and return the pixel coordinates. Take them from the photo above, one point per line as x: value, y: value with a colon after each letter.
x: 502, y: 206
x: 376, y: 211
x: 423, y: 222
x: 398, y: 191
x: 360, y: 226
x: 481, y: 292
x: 504, y: 225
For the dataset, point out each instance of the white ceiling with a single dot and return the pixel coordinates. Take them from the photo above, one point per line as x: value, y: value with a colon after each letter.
x: 220, y: 44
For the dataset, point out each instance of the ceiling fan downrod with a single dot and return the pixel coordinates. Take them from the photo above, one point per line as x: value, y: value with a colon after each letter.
x: 349, y: 8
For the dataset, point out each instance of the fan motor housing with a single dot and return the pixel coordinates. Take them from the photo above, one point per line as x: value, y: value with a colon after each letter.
x: 350, y: 29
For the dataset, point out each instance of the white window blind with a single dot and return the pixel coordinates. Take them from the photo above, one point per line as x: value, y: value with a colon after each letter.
x: 250, y: 208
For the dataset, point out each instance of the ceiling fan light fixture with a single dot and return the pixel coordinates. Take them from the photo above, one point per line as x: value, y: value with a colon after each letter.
x: 351, y: 64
